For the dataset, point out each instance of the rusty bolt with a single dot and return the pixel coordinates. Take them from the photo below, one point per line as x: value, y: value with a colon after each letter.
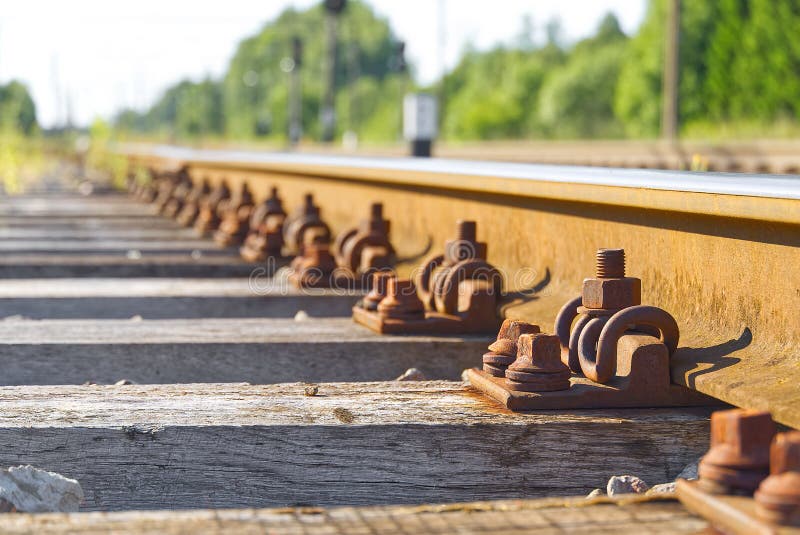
x: 538, y: 366
x: 376, y: 223
x: 194, y: 199
x: 778, y: 496
x: 380, y: 281
x: 610, y: 289
x: 738, y: 459
x: 317, y: 257
x: 465, y: 246
x: 401, y: 301
x: 366, y: 247
x: 305, y: 226
x: 273, y: 203
x: 503, y: 351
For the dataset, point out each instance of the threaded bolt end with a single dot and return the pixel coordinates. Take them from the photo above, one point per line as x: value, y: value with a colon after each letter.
x: 376, y: 211
x: 467, y: 231
x: 610, y: 263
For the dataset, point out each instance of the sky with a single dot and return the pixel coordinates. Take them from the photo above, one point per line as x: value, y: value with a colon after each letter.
x: 100, y: 57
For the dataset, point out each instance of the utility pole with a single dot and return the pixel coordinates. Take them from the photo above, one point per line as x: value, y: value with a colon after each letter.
x: 328, y: 113
x: 669, y: 110
x: 399, y: 65
x: 296, y: 94
x: 442, y: 49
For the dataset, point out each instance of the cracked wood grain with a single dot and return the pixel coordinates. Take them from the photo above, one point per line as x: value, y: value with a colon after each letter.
x: 235, y: 445
x: 255, y: 350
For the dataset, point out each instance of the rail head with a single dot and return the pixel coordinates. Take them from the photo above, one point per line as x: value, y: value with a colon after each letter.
x: 748, y: 196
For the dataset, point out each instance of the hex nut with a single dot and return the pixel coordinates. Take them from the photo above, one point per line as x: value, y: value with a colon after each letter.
x: 612, y: 293
x: 538, y: 353
x: 740, y: 438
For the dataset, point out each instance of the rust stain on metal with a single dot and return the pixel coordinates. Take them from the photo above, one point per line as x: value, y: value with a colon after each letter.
x: 305, y: 226
x: 366, y: 248
x: 208, y: 219
x: 503, y: 351
x: 265, y: 236
x: 235, y: 218
x: 357, y: 254
x: 191, y: 207
x: 455, y: 293
x: 609, y: 306
x: 538, y: 366
x: 642, y: 380
x: 724, y: 265
x: 738, y: 459
x: 735, y: 465
x: 778, y: 496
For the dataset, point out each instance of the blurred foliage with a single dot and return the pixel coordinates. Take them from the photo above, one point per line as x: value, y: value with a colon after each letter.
x: 738, y: 74
x: 739, y: 61
x: 100, y: 157
x: 17, y: 110
x: 21, y: 159
x: 251, y: 101
x: 20, y: 139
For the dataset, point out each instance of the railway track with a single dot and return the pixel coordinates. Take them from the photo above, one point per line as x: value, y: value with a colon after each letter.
x: 163, y: 371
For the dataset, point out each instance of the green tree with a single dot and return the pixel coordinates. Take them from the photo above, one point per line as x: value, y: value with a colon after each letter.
x: 492, y: 95
x: 768, y: 62
x: 257, y: 82
x: 577, y: 100
x: 638, y: 96
x: 17, y: 109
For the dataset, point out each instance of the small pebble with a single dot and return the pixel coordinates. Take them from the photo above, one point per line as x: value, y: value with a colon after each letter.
x: 412, y: 374
x: 662, y: 488
x: 123, y: 382
x: 301, y: 316
x: 197, y: 254
x: 31, y: 490
x: 625, y: 485
x: 311, y: 390
x: 690, y: 471
x: 134, y: 254
x: 595, y: 493
x: 137, y: 317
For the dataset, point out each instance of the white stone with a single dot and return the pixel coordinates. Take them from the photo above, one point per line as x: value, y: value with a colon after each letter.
x: 596, y: 493
x: 626, y: 484
x: 301, y: 315
x: 412, y: 374
x: 662, y: 488
x: 32, y: 490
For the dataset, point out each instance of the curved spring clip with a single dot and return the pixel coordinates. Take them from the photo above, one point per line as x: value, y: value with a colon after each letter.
x: 424, y: 279
x: 563, y: 324
x: 597, y: 345
x: 446, y: 291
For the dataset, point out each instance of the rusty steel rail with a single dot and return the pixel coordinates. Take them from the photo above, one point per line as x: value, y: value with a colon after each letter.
x: 720, y: 252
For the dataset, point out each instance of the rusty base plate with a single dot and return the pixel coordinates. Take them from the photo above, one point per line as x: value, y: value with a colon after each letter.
x: 729, y: 514
x: 434, y: 323
x: 585, y: 394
